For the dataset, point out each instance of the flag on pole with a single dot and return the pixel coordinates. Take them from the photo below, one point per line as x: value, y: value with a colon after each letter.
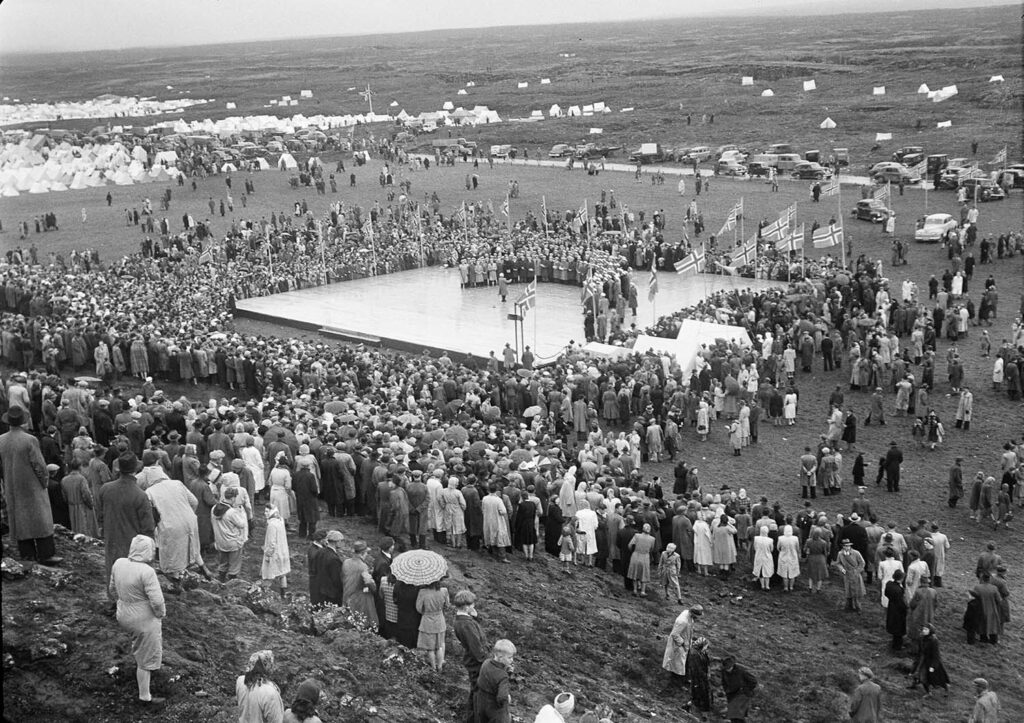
x: 831, y: 188
x: 881, y: 193
x: 825, y: 238
x: 788, y: 216
x: 775, y: 231
x: 693, y: 261
x: 368, y: 229
x: 206, y: 257
x: 919, y: 169
x: 528, y: 299
x: 652, y: 283
x: 745, y: 255
x: 1000, y: 158
x: 504, y: 207
x: 792, y: 242
x: 734, y: 214
x: 583, y: 216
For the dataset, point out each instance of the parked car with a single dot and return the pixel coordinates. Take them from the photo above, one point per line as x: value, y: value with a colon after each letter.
x: 788, y: 161
x: 780, y: 148
x: 909, y: 155
x: 871, y: 210
x: 560, y: 150
x: 1011, y: 178
x: 842, y: 156
x: 501, y: 150
x: 809, y: 170
x: 756, y: 168
x: 647, y: 153
x: 933, y: 227
x: 731, y: 167
x: 936, y: 163
x: 697, y: 153
x: 888, y: 172
x: 732, y: 155
x: 985, y: 188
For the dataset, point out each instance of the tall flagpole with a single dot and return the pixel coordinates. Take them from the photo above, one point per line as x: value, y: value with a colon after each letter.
x: 508, y: 213
x: 544, y: 209
x: 536, y: 316
x: 839, y: 219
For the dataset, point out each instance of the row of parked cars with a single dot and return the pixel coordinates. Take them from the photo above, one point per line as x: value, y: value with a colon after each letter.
x: 731, y: 160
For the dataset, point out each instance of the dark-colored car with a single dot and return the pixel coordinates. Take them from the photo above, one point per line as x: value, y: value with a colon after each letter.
x: 909, y: 155
x: 871, y: 210
x: 985, y: 189
x: 808, y: 170
x: 755, y: 168
x: 936, y: 163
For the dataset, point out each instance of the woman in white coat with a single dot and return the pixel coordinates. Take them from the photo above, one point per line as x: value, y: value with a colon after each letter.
x: 276, y: 558
x: 788, y: 545
x: 280, y: 481
x: 789, y: 407
x: 764, y: 564
x: 702, y: 555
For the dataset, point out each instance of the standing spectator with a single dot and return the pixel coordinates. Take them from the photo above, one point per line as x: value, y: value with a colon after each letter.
x: 357, y: 580
x: 851, y: 565
x: 123, y: 511
x: 986, y: 707
x: 678, y: 643
x: 495, y: 523
x: 739, y: 685
x: 25, y: 490
x: 430, y: 603
x: 276, y: 560
x: 306, y: 489
x: 929, y: 670
x: 140, y: 605
x: 230, y: 533
x: 895, y: 609
x: 303, y: 709
x: 471, y: 635
x: 893, y: 461
x: 698, y: 670
x: 866, y: 701
x: 492, y: 697
x: 259, y: 698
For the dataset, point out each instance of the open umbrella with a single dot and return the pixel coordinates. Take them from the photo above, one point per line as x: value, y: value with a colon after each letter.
x: 456, y: 435
x: 88, y: 380
x: 289, y: 436
x: 419, y: 567
x: 335, y: 407
x: 218, y: 336
x: 525, y: 373
x: 409, y: 418
x: 346, y: 418
x: 532, y: 411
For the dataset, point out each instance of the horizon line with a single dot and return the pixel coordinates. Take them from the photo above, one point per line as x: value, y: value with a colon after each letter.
x: 751, y: 12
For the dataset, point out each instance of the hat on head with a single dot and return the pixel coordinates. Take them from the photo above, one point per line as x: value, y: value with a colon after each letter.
x: 565, y: 703
x: 980, y: 682
x: 15, y: 416
x: 866, y: 672
x: 309, y: 691
x: 359, y: 546
x: 334, y: 536
x: 128, y: 463
x: 854, y: 517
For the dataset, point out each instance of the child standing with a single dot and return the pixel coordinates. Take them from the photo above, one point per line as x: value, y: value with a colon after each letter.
x: 567, y: 547
x: 670, y: 566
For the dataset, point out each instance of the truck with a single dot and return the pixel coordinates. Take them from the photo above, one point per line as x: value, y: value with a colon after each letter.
x: 648, y: 153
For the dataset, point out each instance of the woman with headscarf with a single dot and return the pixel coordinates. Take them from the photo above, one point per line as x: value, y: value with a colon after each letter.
x: 698, y: 670
x: 303, y: 708
x: 453, y: 509
x: 231, y: 532
x: 280, y: 482
x: 567, y: 495
x: 639, y: 570
x: 723, y: 546
x: 140, y: 606
x: 703, y: 557
x: 764, y: 563
x: 276, y: 560
x: 788, y: 545
x: 259, y: 698
x: 586, y: 529
x: 177, y: 532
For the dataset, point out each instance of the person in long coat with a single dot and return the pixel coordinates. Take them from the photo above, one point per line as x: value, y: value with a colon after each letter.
x: 280, y: 483
x: 276, y: 558
x: 682, y: 535
x: 357, y: 582
x: 723, y: 546
x: 474, y: 516
x: 698, y: 670
x: 851, y: 565
x: 25, y: 490
x: 991, y: 608
x: 396, y: 520
x: 140, y: 608
x: 81, y: 503
x: 816, y: 567
x: 764, y: 563
x: 896, y: 610
x: 406, y: 629
x: 921, y: 609
x: 739, y: 685
x: 207, y: 500
x: 453, y: 510
x: 639, y: 570
x: 678, y: 642
x: 177, y: 532
x: 123, y: 511
x: 495, y: 527
x: 930, y: 671
x: 702, y: 551
x: 527, y: 522
x: 788, y: 545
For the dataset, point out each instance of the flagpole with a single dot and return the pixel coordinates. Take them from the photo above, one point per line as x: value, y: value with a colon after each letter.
x: 839, y: 218
x: 544, y: 209
x: 508, y: 213
x: 323, y: 263
x: 536, y: 316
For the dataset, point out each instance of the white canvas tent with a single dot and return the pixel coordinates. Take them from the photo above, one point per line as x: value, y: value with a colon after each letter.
x: 555, y: 111
x: 767, y: 93
x: 747, y: 80
x: 596, y: 131
x: 462, y: 91
x: 828, y: 123
x: 574, y: 110
x: 627, y: 110
x: 287, y: 162
x: 262, y: 163
x: 230, y: 106
x: 878, y: 90
x: 522, y: 85
x: 883, y: 136
x: 810, y: 85
x: 944, y: 124
x: 996, y: 79
x: 305, y: 94
x: 448, y: 105
x: 694, y: 335
x: 545, y: 81
x: 923, y: 88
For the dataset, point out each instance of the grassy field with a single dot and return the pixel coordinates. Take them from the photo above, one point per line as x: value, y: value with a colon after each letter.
x: 584, y: 633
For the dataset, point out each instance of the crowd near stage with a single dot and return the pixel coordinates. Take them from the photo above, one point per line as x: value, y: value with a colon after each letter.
x: 428, y: 309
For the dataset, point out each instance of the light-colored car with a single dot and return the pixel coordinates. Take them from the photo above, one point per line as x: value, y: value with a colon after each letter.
x: 697, y: 153
x: 892, y: 172
x: 731, y: 167
x: 933, y: 227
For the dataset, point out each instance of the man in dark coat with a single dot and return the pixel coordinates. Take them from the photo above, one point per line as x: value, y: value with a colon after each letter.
x: 305, y: 488
x: 123, y: 511
x: 893, y: 460
x: 474, y: 642
x: 491, y: 702
x: 325, y: 584
x: 331, y: 483
x: 25, y: 490
x: 896, y: 609
x: 416, y: 492
x: 739, y: 684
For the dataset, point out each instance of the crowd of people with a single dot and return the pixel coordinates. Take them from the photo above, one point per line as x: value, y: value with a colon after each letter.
x: 499, y: 458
